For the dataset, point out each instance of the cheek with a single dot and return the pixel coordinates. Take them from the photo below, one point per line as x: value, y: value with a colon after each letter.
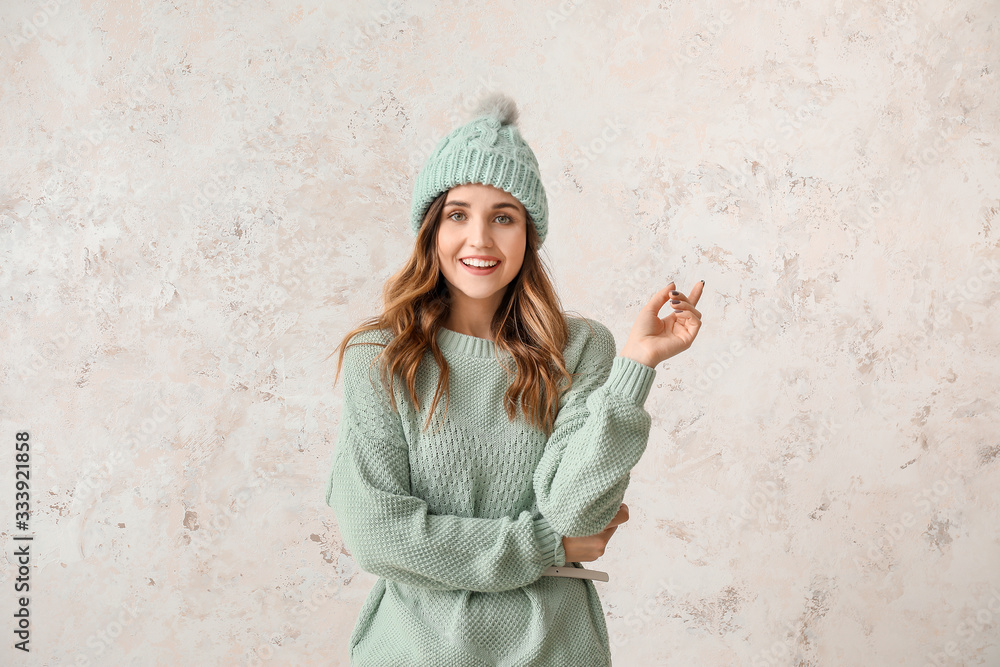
x: 513, y: 266
x: 517, y: 257
x: 442, y: 250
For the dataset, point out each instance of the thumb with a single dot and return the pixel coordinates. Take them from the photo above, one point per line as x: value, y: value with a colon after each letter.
x: 655, y: 304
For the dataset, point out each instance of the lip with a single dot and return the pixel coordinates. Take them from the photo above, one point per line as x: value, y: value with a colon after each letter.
x: 477, y: 271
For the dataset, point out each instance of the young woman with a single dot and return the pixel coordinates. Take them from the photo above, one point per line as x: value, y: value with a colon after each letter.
x: 527, y: 465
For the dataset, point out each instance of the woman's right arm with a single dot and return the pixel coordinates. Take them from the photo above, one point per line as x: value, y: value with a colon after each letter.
x: 391, y: 533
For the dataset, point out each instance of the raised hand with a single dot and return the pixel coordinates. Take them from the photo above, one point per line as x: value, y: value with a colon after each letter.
x: 654, y: 339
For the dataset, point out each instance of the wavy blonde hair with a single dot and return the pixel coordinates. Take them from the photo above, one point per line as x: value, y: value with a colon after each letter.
x: 529, y: 324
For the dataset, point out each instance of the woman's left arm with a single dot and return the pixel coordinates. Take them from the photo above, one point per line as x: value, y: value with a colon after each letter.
x: 602, y: 431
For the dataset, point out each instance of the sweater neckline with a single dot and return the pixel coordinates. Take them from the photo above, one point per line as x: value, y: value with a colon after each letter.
x: 464, y: 344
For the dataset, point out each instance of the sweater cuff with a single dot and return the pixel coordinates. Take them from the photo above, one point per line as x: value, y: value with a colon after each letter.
x: 549, y: 543
x: 631, y: 379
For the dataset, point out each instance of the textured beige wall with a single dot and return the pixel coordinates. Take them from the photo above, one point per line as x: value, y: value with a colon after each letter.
x: 199, y: 199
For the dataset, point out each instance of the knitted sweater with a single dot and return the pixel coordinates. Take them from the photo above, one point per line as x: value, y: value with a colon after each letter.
x: 459, y: 524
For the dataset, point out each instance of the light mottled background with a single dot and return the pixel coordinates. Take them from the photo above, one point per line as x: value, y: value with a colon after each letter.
x: 199, y: 199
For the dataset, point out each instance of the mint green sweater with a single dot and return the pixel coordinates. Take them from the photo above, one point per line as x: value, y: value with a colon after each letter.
x: 460, y: 524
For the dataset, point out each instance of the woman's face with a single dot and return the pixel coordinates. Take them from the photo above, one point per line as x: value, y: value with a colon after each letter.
x: 481, y: 220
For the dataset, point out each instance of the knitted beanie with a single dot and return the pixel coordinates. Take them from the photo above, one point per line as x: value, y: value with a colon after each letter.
x: 488, y: 149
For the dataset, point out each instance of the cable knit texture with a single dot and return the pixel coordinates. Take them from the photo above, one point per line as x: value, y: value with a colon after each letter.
x: 459, y: 524
x: 488, y: 149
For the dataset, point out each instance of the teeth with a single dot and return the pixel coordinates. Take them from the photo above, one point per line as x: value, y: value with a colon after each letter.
x: 478, y: 262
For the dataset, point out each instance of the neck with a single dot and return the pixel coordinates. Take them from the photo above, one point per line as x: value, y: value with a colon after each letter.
x: 473, y: 317
x: 479, y: 331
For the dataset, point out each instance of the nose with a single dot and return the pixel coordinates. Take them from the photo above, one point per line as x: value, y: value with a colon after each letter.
x: 479, y: 232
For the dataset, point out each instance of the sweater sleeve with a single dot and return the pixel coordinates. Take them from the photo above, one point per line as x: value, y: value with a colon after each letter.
x: 599, y: 435
x: 391, y: 533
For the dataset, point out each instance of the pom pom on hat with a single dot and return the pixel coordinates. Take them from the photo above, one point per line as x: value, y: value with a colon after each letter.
x: 500, y: 106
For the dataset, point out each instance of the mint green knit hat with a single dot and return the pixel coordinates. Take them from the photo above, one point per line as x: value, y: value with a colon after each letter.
x: 488, y: 149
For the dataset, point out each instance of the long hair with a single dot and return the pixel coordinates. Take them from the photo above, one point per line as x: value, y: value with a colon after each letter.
x: 529, y: 324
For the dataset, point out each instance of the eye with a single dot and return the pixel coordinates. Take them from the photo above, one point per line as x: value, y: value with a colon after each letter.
x: 507, y: 218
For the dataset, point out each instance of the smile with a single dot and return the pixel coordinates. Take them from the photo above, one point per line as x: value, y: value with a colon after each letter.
x: 479, y: 271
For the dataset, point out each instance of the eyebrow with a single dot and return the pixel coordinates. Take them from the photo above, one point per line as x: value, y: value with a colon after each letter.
x: 495, y: 206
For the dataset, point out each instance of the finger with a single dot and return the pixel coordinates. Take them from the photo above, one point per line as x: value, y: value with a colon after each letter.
x: 681, y: 296
x: 696, y: 291
x: 676, y: 301
x: 685, y: 309
x: 619, y: 518
x: 656, y: 303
